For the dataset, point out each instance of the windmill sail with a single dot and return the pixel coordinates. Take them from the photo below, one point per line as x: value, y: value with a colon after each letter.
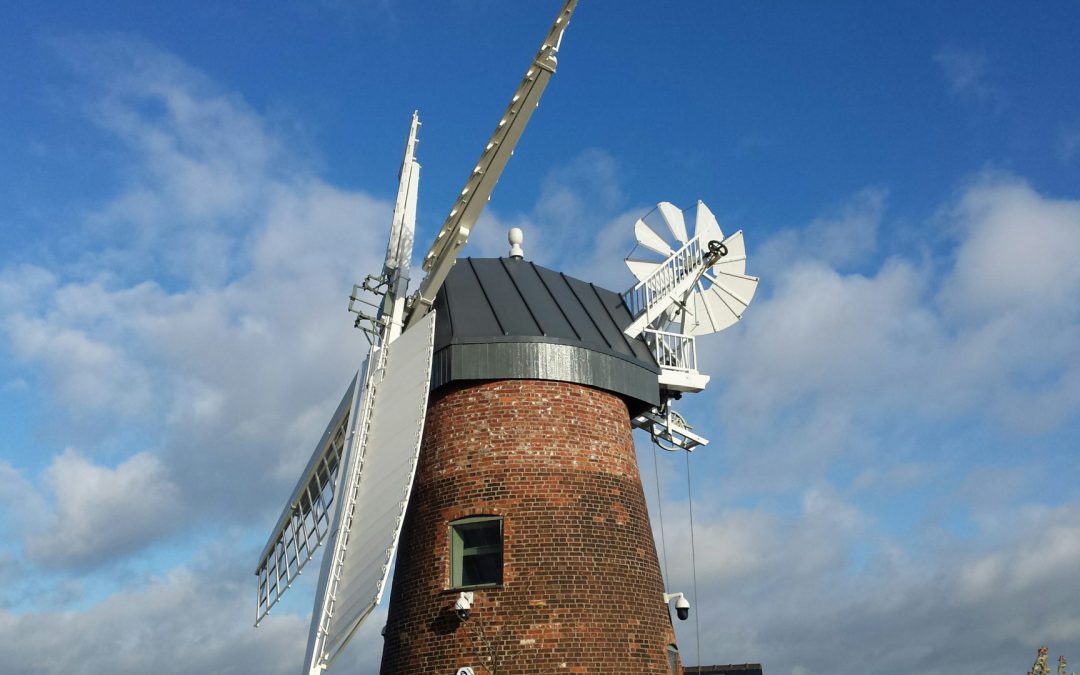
x: 481, y: 182
x: 379, y: 476
x: 305, y: 522
x: 306, y: 519
x: 399, y: 248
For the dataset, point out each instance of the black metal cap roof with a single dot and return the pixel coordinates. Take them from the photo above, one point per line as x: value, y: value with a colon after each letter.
x: 502, y: 301
x: 496, y: 298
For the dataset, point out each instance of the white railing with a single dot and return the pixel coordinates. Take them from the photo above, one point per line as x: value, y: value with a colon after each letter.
x: 673, y: 351
x: 655, y: 287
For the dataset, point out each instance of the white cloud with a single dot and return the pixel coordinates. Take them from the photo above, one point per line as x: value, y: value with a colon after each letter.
x: 208, y: 308
x: 966, y: 72
x: 21, y: 285
x: 1013, y: 299
x: 103, y: 512
x: 91, y: 375
x: 24, y: 507
x: 818, y: 590
x: 1016, y: 252
x: 182, y: 623
x: 890, y: 479
x: 825, y: 362
x: 847, y: 237
x: 823, y: 333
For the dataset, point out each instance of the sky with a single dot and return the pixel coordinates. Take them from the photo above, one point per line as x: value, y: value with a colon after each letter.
x: 188, y: 192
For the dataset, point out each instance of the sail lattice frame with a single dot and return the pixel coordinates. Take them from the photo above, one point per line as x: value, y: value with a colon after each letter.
x: 305, y: 523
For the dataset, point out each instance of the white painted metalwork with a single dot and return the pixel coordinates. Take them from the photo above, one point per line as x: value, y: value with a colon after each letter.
x: 698, y: 286
x: 668, y: 429
x: 481, y: 182
x: 392, y: 285
x: 676, y: 354
x: 672, y: 350
x: 380, y: 470
x: 305, y: 522
x: 653, y: 298
x: 402, y: 231
x: 717, y: 297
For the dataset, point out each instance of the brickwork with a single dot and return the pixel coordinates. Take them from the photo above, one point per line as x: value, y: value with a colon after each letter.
x: 582, y: 591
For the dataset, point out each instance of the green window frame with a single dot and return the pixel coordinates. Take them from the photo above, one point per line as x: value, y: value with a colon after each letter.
x: 476, y: 552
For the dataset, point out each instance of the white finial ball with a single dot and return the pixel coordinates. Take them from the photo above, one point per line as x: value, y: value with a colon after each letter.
x: 516, y: 237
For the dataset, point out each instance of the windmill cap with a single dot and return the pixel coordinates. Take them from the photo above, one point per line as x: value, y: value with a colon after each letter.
x: 506, y: 319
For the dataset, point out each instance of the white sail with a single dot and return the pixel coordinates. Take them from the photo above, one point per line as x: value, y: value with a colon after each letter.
x: 374, y: 498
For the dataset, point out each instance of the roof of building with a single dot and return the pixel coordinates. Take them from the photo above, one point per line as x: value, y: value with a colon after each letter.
x: 729, y: 669
x: 549, y: 326
x: 496, y: 298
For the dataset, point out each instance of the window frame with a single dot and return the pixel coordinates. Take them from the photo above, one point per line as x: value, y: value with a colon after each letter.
x: 458, y: 551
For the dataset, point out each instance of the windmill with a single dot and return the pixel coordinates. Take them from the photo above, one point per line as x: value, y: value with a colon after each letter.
x: 488, y: 433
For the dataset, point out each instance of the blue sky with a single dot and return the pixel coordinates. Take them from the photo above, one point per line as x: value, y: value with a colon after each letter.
x: 188, y: 192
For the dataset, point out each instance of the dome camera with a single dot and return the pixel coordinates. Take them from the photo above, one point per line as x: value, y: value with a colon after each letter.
x: 463, y: 605
x: 682, y: 608
x: 682, y: 605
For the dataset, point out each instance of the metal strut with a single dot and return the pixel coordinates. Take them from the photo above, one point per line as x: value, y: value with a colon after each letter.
x: 668, y: 429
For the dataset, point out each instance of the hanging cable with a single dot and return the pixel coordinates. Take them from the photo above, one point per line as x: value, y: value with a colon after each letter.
x: 660, y: 510
x: 693, y: 560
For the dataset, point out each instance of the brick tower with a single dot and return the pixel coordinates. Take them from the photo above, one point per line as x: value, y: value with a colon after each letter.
x: 527, y: 493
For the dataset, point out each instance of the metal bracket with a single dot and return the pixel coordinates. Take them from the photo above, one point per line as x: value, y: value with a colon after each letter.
x: 378, y: 287
x: 669, y: 430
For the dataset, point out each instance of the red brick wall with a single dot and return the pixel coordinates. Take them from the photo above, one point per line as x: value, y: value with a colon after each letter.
x: 581, y: 588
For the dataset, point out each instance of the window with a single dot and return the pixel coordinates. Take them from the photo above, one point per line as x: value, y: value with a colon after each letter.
x: 476, y: 552
x: 673, y: 659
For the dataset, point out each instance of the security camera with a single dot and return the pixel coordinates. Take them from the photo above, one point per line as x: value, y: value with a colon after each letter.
x: 682, y: 605
x: 682, y: 608
x: 463, y: 605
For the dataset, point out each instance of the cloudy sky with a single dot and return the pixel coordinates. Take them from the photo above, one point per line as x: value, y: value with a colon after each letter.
x: 189, y: 190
